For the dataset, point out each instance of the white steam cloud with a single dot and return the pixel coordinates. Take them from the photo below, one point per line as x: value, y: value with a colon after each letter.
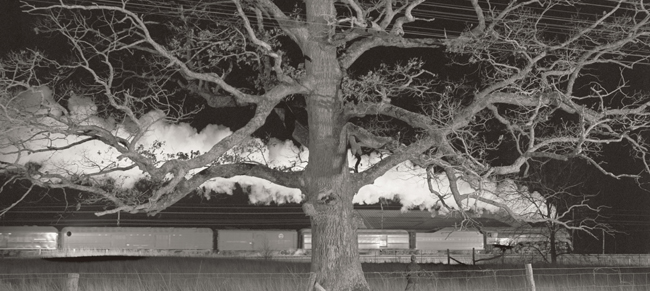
x: 406, y: 181
x: 161, y: 139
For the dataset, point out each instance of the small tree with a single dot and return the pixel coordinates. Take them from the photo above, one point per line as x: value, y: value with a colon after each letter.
x: 519, y: 77
x: 563, y: 187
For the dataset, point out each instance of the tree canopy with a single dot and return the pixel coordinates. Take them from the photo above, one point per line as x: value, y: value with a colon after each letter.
x: 468, y: 106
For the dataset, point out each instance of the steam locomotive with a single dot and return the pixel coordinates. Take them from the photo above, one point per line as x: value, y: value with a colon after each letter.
x: 229, y: 241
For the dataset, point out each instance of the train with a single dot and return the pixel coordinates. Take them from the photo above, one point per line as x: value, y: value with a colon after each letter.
x: 100, y: 240
x: 527, y: 240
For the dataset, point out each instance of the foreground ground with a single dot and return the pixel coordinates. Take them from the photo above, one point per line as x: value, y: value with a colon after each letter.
x: 196, y: 274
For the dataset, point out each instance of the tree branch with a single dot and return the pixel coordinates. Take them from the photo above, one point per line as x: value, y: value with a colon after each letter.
x: 277, y: 66
x: 140, y: 24
x: 358, y: 48
x: 287, y: 179
x: 401, y: 154
x: 296, y: 30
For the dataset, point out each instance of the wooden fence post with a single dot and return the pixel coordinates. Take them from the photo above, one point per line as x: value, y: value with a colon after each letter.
x: 529, y: 276
x: 72, y: 283
x: 473, y: 257
x: 448, y: 258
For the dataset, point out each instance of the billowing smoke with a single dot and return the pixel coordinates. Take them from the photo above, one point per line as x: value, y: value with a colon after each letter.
x: 30, y: 130
x: 406, y: 182
x: 275, y: 153
x: 162, y: 140
x: 260, y: 191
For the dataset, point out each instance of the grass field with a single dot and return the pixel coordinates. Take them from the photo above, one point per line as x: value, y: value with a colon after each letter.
x: 196, y: 274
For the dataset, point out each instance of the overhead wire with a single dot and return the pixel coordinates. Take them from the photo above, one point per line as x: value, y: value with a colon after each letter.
x: 228, y: 11
x: 461, y: 14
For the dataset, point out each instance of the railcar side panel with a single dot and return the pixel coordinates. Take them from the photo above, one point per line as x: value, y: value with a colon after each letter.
x: 134, y: 238
x: 305, y: 239
x: 371, y: 239
x: 398, y: 240
x: 368, y: 239
x: 233, y: 240
x: 187, y: 239
x: 257, y: 240
x: 449, y: 239
x: 28, y: 238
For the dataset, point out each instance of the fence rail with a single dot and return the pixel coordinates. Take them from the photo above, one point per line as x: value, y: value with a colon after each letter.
x: 602, y: 278
x: 403, y: 256
x: 509, y: 259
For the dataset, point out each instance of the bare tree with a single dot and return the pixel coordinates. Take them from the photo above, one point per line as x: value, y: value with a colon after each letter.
x: 530, y: 83
x: 563, y: 186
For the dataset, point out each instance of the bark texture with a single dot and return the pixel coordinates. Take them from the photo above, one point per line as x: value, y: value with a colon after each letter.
x: 335, y: 256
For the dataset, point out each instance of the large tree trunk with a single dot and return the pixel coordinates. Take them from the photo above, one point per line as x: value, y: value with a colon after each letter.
x: 335, y: 256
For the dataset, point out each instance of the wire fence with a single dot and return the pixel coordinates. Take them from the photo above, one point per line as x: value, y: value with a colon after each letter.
x: 601, y: 278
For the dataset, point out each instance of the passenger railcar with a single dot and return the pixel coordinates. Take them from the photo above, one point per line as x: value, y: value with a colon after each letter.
x: 369, y: 239
x: 449, y: 239
x: 136, y: 238
x: 28, y: 238
x: 257, y: 240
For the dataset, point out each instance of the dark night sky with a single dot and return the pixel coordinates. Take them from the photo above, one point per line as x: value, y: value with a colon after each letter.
x: 16, y: 31
x: 629, y: 212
